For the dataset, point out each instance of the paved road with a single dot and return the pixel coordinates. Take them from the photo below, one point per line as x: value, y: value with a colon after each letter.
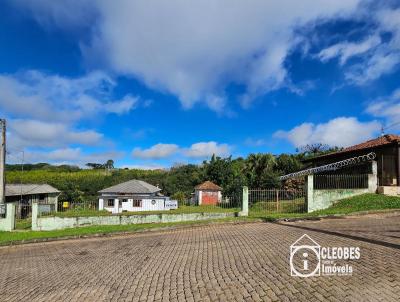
x: 246, y: 262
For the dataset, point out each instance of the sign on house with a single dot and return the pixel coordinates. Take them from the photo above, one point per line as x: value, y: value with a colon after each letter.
x: 171, y: 204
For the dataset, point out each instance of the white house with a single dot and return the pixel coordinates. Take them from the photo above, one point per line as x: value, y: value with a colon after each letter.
x: 134, y: 195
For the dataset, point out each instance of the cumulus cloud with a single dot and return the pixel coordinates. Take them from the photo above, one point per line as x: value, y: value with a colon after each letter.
x: 206, y: 149
x: 194, y: 50
x: 66, y: 156
x: 33, y: 94
x: 157, y: 151
x: 197, y: 150
x: 341, y: 132
x: 32, y: 133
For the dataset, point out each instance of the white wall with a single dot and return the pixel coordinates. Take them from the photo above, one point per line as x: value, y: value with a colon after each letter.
x: 147, y: 205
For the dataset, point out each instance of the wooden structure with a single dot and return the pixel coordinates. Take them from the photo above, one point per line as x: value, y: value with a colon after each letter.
x: 387, y: 150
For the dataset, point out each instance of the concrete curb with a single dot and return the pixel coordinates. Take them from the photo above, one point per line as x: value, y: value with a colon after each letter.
x: 336, y: 216
x: 122, y: 233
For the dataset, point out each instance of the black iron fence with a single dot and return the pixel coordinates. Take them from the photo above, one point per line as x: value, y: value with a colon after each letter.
x: 340, y: 181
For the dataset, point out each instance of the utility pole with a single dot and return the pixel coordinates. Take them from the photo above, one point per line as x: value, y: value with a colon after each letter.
x: 2, y: 161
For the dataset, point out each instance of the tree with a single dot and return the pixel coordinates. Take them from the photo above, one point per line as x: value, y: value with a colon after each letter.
x: 94, y: 165
x: 109, y: 164
x: 259, y: 170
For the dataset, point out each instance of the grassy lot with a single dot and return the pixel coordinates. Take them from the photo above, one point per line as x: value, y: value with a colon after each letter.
x: 365, y: 202
x: 284, y: 206
x: 180, y: 210
x: 10, y: 237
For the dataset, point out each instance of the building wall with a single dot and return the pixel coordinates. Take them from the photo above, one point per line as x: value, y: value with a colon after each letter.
x: 151, y: 203
x: 204, y: 197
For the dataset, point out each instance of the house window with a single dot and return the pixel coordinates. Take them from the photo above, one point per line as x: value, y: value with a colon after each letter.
x: 137, y: 203
x: 110, y: 202
x: 124, y: 200
x: 153, y: 202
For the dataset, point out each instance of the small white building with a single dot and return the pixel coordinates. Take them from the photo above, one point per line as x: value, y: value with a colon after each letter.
x: 134, y: 196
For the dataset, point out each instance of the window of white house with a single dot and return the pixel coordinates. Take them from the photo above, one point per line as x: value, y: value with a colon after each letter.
x: 110, y: 202
x: 124, y: 200
x: 153, y: 202
x: 137, y: 203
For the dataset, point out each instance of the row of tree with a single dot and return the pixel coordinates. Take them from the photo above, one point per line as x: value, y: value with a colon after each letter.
x: 255, y: 171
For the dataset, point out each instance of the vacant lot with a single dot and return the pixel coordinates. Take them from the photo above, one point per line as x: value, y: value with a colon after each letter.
x: 218, y: 262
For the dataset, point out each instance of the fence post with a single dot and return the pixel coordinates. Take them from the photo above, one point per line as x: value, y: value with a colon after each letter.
x: 245, y: 202
x: 277, y: 201
x: 8, y: 223
x: 35, y: 214
x: 373, y: 178
x: 310, y: 192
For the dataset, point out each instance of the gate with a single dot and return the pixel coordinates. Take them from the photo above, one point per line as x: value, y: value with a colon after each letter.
x: 23, y: 215
x: 276, y: 201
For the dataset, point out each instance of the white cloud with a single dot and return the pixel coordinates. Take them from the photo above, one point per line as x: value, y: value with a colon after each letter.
x: 206, y: 149
x: 346, y: 50
x: 387, y: 108
x: 32, y: 133
x: 341, y: 132
x: 66, y: 156
x: 377, y: 56
x: 157, y: 151
x: 36, y: 95
x: 194, y: 50
x: 197, y: 150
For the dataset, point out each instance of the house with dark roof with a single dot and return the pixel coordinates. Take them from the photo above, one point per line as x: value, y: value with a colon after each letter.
x: 207, y: 193
x: 134, y: 195
x: 387, y: 150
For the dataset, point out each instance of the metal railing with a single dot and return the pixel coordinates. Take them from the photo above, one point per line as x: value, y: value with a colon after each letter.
x: 340, y: 181
x: 48, y: 208
x: 277, y: 201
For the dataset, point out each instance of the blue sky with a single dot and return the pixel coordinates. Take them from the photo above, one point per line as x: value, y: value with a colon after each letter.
x: 153, y: 84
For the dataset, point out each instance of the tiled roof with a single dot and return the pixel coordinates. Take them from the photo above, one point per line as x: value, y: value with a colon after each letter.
x: 208, y: 185
x: 133, y: 186
x: 373, y: 143
x: 29, y: 189
x: 376, y: 142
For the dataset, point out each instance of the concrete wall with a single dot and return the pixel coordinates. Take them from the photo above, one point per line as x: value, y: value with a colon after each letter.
x: 8, y: 223
x: 59, y: 223
x: 322, y: 199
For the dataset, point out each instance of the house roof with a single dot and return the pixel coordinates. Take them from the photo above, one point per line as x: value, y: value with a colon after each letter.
x: 29, y: 189
x: 208, y: 185
x: 133, y: 186
x: 373, y: 143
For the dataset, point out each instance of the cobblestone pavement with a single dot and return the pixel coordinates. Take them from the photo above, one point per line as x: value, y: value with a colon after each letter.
x: 230, y: 262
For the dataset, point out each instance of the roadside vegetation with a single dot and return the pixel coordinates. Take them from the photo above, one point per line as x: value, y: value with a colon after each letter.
x: 360, y: 203
x: 81, y: 185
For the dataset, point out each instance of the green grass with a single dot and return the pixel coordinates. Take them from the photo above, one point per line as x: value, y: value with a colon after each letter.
x: 23, y: 224
x: 284, y: 206
x: 180, y: 210
x: 365, y: 202
x: 10, y: 237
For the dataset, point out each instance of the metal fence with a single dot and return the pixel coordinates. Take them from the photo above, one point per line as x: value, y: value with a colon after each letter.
x: 340, y: 181
x: 67, y: 207
x: 274, y: 201
x: 23, y: 215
